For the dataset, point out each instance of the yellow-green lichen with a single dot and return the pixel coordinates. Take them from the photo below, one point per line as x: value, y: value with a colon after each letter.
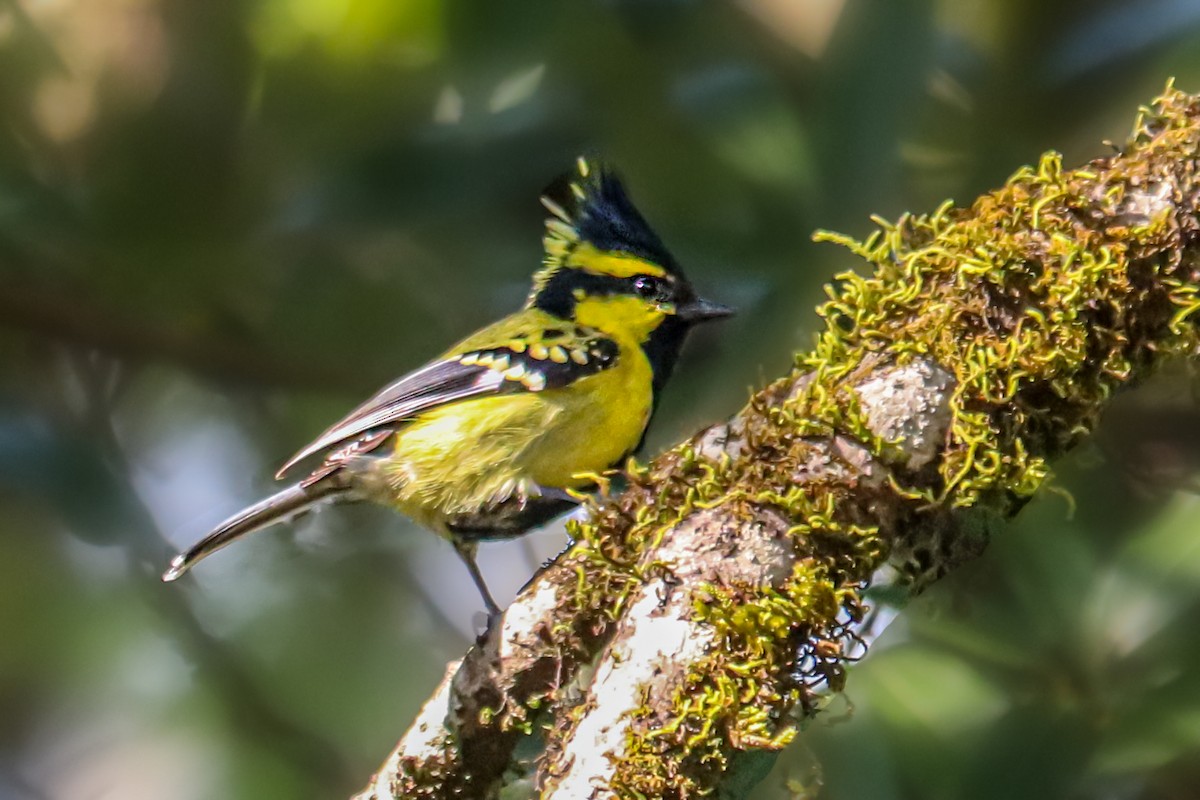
x: 1030, y: 306
x: 760, y: 663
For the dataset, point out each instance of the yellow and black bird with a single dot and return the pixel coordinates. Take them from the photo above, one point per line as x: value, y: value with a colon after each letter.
x: 490, y: 439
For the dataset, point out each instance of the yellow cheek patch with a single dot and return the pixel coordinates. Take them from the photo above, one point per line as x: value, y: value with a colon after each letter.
x: 612, y: 313
x: 614, y: 265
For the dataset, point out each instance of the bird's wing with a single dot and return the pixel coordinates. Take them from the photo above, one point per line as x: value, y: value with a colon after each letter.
x: 551, y: 363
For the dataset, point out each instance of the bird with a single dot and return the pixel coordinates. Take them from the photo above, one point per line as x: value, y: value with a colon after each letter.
x: 510, y: 427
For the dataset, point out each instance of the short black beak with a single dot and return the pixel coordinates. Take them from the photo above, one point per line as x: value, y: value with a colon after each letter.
x: 701, y: 310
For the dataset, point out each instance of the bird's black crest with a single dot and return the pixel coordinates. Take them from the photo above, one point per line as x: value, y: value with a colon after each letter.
x: 590, y: 205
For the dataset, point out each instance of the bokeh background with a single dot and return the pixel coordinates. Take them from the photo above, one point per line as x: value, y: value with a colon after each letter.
x: 223, y: 223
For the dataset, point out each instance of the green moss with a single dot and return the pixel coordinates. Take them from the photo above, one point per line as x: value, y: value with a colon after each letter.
x: 773, y: 648
x: 1031, y: 297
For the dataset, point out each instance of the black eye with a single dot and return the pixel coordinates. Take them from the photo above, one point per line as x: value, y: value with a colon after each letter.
x: 647, y: 287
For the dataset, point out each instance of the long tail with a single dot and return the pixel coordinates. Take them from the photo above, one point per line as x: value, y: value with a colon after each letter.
x: 276, y: 508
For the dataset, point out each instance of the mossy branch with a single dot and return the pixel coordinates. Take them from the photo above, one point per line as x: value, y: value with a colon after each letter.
x: 699, y: 613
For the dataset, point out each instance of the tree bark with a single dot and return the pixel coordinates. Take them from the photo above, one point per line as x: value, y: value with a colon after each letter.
x: 689, y: 629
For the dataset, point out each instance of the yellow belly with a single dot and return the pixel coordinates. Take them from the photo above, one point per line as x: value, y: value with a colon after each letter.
x: 463, y: 457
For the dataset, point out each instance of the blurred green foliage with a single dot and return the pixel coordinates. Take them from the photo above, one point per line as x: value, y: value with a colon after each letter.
x: 221, y: 223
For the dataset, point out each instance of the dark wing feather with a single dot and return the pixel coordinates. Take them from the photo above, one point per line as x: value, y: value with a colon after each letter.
x: 499, y: 370
x: 433, y: 385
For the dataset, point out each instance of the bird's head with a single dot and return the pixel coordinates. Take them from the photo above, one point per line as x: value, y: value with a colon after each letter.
x: 607, y: 269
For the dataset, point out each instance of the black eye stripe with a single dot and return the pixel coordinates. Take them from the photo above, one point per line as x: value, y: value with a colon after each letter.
x: 562, y: 291
x: 650, y: 286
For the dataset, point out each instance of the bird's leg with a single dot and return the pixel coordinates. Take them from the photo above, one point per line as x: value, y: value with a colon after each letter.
x: 466, y: 551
